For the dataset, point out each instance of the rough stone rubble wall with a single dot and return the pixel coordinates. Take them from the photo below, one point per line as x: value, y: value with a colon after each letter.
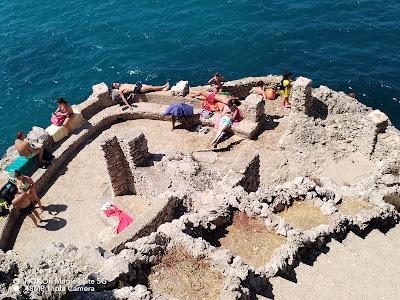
x: 122, y: 276
x: 123, y: 152
x: 119, y: 172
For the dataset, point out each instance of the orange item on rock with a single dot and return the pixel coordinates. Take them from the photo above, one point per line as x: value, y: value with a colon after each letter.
x: 270, y: 93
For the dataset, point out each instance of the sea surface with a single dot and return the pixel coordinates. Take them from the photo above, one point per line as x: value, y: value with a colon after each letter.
x: 51, y: 48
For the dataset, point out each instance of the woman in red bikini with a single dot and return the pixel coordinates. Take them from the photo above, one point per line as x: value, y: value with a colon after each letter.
x: 213, y: 96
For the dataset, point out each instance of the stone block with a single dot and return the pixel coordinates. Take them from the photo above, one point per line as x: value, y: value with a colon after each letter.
x: 300, y: 96
x: 253, y: 107
x: 180, y: 89
x: 379, y: 119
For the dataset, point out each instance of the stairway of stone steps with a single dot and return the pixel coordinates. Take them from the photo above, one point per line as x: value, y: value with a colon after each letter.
x: 356, y: 268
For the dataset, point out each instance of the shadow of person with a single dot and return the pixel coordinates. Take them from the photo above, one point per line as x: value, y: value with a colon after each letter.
x: 55, y: 209
x: 55, y: 224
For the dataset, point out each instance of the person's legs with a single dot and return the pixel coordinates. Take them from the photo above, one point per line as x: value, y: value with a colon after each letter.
x: 67, y: 124
x: 222, y: 128
x: 223, y: 99
x: 173, y: 119
x: 34, y: 197
x: 33, y: 219
x: 286, y: 103
x: 202, y: 94
x: 39, y: 152
x: 151, y: 88
x: 36, y: 214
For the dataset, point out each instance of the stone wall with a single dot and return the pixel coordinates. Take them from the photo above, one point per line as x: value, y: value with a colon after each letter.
x: 120, y: 174
x: 254, y: 107
x: 245, y: 172
x: 300, y: 96
x: 242, y: 87
x: 138, y: 150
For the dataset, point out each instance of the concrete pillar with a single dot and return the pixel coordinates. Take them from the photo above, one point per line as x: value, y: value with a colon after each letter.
x: 300, y: 96
x: 119, y: 171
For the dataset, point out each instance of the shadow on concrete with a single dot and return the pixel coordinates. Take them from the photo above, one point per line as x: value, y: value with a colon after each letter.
x: 55, y: 209
x: 54, y: 224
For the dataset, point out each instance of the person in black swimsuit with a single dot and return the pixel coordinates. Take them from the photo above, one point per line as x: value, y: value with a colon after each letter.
x: 139, y: 88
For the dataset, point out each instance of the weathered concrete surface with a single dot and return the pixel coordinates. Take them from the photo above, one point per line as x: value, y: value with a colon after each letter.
x: 353, y: 269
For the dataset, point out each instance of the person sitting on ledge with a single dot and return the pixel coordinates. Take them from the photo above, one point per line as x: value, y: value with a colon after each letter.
x: 213, y: 97
x: 25, y: 149
x: 26, y: 199
x: 229, y: 114
x: 139, y: 88
x: 181, y: 112
x: 217, y: 80
x: 63, y: 115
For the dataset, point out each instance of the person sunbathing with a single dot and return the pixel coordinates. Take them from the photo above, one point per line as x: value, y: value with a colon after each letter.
x: 268, y: 93
x: 139, y: 88
x: 229, y: 114
x: 213, y: 96
x: 27, y: 150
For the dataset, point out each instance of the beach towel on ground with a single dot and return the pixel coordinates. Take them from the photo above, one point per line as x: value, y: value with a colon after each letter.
x: 124, y: 218
x: 216, y: 106
x: 179, y: 110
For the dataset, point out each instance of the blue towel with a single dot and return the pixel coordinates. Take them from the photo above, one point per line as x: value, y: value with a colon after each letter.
x: 179, y: 110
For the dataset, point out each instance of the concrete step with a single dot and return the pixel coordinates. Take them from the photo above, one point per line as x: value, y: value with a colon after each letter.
x: 355, y: 269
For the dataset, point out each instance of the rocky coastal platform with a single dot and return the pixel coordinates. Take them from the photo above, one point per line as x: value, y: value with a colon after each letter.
x: 295, y: 181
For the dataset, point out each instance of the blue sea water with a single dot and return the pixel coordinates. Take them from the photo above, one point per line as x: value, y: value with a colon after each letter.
x: 51, y: 48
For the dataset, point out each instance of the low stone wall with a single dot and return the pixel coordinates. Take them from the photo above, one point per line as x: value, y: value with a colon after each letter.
x: 241, y: 88
x: 245, y: 172
x: 163, y: 210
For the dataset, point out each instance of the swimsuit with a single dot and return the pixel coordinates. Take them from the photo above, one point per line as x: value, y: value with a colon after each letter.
x: 138, y: 88
x: 24, y: 187
x: 286, y: 85
x: 28, y: 210
x: 211, y: 98
x: 225, y: 120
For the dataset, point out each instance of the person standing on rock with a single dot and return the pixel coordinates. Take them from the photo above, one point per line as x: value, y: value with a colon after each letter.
x: 285, y: 87
x: 138, y: 88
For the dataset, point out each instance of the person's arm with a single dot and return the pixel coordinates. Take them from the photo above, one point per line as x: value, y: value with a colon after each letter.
x: 211, y: 81
x: 29, y: 147
x: 235, y: 113
x: 32, y: 183
x: 121, y: 94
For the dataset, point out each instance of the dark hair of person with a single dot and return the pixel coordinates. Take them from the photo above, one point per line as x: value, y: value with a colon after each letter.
x: 218, y: 74
x: 17, y: 173
x: 20, y: 135
x: 61, y: 100
x: 234, y: 102
x: 287, y: 75
x: 237, y: 102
